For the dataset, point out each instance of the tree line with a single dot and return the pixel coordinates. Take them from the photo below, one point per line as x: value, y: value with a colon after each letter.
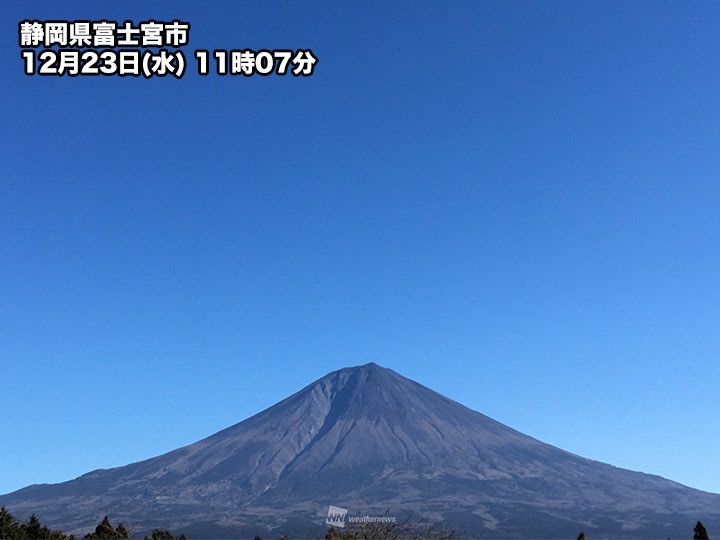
x: 33, y: 529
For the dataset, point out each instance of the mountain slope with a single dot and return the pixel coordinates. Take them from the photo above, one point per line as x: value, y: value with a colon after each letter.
x: 372, y: 441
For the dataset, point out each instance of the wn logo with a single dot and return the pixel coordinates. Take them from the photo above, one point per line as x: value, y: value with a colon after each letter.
x: 336, y: 516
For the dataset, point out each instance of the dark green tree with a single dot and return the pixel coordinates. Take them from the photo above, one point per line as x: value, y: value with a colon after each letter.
x: 34, y: 530
x: 581, y: 536
x: 122, y: 531
x: 9, y: 526
x: 700, y: 532
x: 105, y: 531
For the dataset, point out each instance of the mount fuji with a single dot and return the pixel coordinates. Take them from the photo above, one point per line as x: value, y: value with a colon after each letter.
x: 371, y: 441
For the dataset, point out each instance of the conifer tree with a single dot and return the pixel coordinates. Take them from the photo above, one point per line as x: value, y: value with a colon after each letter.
x: 9, y: 527
x: 105, y: 531
x: 700, y: 532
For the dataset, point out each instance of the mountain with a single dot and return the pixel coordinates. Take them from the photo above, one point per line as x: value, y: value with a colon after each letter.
x: 371, y: 441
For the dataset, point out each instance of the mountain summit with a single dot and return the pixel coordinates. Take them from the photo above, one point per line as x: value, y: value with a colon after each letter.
x: 373, y: 442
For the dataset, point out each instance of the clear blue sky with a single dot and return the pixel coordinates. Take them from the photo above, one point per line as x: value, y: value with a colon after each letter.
x: 516, y: 204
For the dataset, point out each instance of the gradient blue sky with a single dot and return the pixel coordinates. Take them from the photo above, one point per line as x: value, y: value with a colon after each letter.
x: 516, y: 204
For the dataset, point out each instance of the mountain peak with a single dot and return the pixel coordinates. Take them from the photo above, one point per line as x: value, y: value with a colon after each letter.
x: 371, y: 365
x: 366, y: 369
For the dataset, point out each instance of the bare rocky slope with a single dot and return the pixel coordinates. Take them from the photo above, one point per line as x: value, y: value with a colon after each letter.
x: 373, y: 442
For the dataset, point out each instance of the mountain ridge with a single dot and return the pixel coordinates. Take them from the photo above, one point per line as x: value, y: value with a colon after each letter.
x: 370, y: 439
